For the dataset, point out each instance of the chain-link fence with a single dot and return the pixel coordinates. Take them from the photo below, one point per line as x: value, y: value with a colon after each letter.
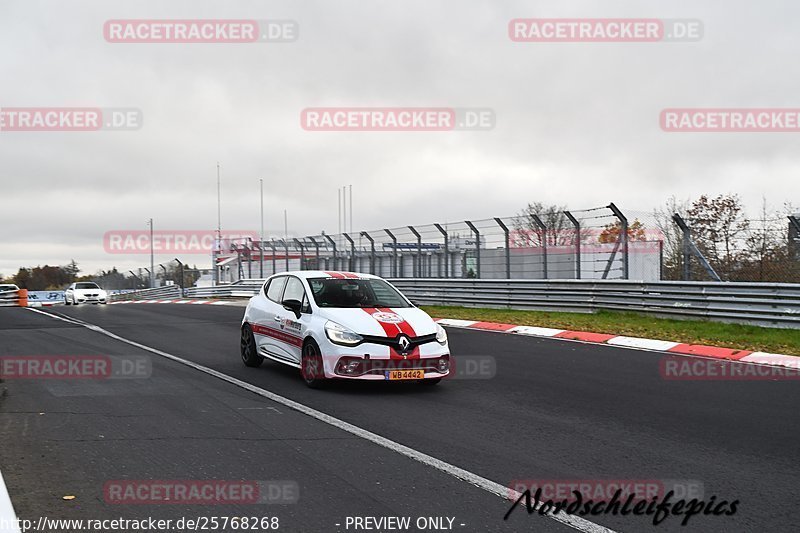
x: 602, y: 243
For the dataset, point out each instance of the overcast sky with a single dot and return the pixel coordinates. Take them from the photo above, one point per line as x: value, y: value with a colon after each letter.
x: 576, y: 123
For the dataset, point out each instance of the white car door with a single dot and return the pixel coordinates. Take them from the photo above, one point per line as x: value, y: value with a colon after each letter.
x: 291, y: 326
x: 266, y: 321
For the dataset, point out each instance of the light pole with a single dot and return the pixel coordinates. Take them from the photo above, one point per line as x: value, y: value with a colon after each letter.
x: 261, y: 241
x: 152, y: 268
x: 219, y: 232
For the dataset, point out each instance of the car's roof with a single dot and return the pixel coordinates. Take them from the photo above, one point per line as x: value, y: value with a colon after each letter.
x: 306, y: 274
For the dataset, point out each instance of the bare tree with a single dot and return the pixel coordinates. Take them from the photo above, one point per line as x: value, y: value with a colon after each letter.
x: 527, y: 233
x: 719, y: 226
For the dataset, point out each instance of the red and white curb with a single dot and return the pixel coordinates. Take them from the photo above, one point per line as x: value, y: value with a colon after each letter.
x: 698, y: 350
x: 178, y: 301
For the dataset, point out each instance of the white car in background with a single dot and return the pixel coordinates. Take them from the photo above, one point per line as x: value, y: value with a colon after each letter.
x: 342, y: 325
x: 85, y: 292
x: 8, y: 294
x: 8, y: 287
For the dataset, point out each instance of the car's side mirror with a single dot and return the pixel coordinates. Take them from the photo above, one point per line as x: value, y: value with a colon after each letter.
x: 294, y: 306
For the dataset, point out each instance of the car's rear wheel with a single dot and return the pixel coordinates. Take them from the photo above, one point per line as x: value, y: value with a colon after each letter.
x: 66, y: 302
x: 248, y: 348
x: 311, y: 366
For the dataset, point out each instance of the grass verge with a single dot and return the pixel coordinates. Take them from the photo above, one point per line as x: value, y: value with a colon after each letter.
x: 755, y: 338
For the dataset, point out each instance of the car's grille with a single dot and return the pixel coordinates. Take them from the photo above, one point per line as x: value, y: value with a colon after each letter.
x: 394, y: 342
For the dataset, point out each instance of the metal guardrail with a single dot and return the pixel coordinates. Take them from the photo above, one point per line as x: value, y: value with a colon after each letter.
x: 763, y: 304
x: 168, y: 291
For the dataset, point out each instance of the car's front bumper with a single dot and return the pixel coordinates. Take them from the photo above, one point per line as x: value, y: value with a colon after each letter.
x: 375, y: 361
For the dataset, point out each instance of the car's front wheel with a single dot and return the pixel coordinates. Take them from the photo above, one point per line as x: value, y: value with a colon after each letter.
x: 248, y: 348
x: 311, y: 366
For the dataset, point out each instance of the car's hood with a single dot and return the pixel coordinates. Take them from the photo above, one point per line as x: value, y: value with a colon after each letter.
x: 89, y: 291
x: 383, y: 322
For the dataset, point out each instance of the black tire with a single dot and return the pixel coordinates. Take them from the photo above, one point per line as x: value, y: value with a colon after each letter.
x: 311, y: 368
x: 248, y: 348
x: 431, y: 382
x: 66, y: 302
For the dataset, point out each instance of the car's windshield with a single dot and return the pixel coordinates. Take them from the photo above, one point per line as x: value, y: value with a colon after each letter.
x: 86, y: 286
x: 334, y: 292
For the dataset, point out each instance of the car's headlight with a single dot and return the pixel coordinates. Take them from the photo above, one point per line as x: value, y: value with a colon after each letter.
x: 339, y: 334
x: 441, y: 335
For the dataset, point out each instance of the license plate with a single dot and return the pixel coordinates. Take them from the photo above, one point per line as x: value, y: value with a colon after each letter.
x: 404, y: 374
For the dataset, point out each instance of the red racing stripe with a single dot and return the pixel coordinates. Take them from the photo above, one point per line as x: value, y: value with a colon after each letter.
x: 337, y: 275
x: 403, y: 326
x: 282, y: 336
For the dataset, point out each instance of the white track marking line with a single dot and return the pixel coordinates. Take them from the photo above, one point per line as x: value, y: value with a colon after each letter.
x: 8, y: 518
x: 488, y: 485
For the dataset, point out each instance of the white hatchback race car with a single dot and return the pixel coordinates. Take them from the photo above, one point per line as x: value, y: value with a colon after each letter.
x: 342, y: 325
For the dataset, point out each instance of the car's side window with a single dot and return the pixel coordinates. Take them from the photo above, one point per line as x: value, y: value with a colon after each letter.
x: 294, y: 290
x: 275, y: 288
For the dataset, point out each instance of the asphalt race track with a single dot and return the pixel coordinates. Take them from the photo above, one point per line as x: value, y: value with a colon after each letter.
x: 555, y: 410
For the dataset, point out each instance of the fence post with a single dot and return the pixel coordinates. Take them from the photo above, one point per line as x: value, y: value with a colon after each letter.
x: 333, y: 244
x: 623, y: 239
x: 352, y: 261
x: 508, y: 249
x: 302, y: 252
x: 272, y: 247
x: 477, y: 248
x: 794, y: 238
x: 394, y: 252
x: 316, y: 247
x: 689, y: 248
x: 371, y: 251
x: 182, y: 279
x: 286, y: 251
x: 417, y: 264
x: 446, y: 250
x: 543, y: 228
x: 577, y: 243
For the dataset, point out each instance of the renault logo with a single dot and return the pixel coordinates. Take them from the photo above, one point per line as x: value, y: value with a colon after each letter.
x: 404, y: 343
